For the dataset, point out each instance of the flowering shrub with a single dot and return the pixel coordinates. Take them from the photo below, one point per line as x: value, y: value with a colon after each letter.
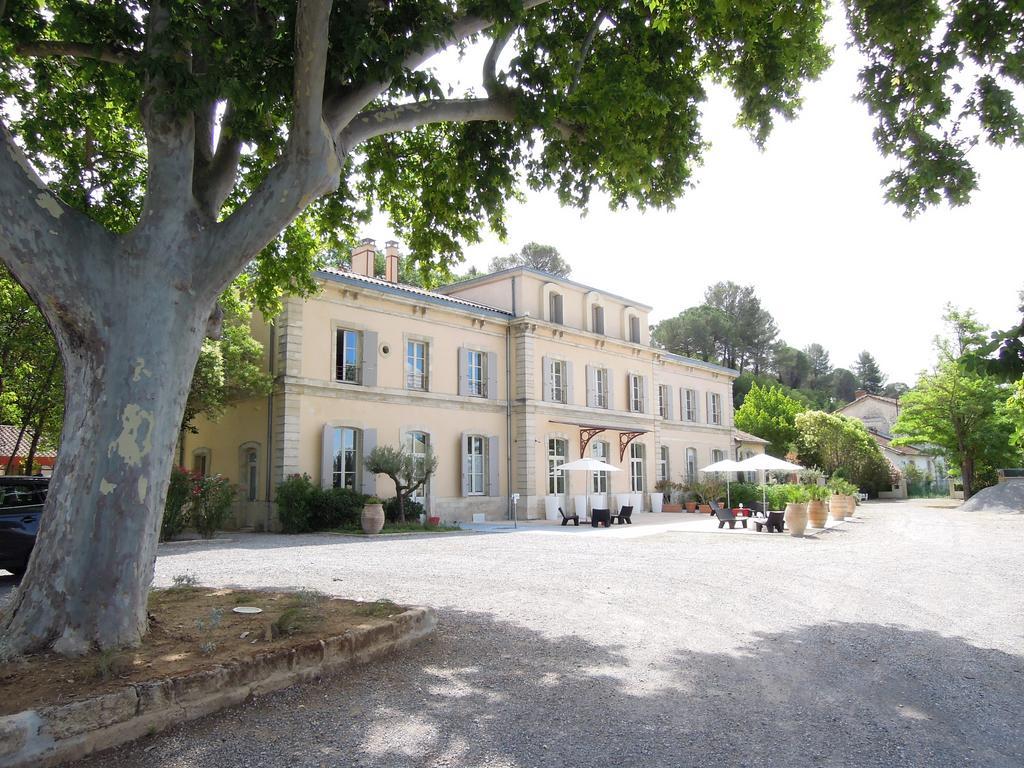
x: 210, y: 503
x: 178, y: 494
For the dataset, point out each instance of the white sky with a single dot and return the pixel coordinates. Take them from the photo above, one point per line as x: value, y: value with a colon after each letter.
x: 806, y: 224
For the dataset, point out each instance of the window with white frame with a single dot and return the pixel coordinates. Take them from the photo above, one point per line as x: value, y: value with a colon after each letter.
x: 476, y: 375
x: 558, y: 449
x: 601, y: 399
x: 636, y: 467
x: 663, y: 469
x: 691, y: 465
x: 690, y: 404
x: 476, y: 465
x: 348, y: 356
x: 417, y: 445
x: 599, y: 480
x: 716, y: 408
x: 636, y: 393
x: 663, y: 395
x: 559, y: 383
x: 717, y: 455
x: 345, y: 458
x: 597, y: 319
x: 416, y: 365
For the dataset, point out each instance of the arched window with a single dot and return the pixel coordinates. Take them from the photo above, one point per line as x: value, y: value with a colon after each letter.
x: 249, y: 470
x: 417, y: 443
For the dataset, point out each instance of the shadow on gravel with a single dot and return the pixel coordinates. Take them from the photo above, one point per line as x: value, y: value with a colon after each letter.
x: 487, y: 693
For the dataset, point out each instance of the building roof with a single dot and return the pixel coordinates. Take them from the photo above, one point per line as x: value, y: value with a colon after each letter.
x: 400, y: 289
x: 869, y: 396
x: 8, y: 438
x: 698, y: 363
x: 544, y: 275
x: 885, y: 441
x: 745, y: 437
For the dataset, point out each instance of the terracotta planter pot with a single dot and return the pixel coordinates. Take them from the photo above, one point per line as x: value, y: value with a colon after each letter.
x: 705, y: 508
x: 851, y: 506
x: 840, y: 507
x: 691, y: 506
x: 672, y: 508
x: 372, y: 518
x: 817, y: 514
x: 796, y: 518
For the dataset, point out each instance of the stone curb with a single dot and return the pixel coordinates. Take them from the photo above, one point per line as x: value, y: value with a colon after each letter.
x: 53, y: 735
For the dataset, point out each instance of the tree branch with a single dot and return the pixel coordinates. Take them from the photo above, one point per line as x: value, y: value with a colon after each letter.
x: 490, y: 75
x: 343, y: 104
x: 407, y: 116
x: 214, y: 175
x: 309, y: 167
x: 68, y: 49
x: 588, y: 42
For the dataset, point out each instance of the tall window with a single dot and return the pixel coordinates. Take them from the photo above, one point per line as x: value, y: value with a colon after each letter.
x: 476, y: 463
x: 346, y: 458
x: 416, y: 365
x: 557, y: 451
x: 717, y: 455
x: 636, y: 393
x: 636, y: 467
x: 663, y: 463
x: 634, y: 329
x: 559, y: 386
x: 690, y: 405
x: 691, y: 464
x: 663, y: 396
x: 416, y: 444
x: 599, y: 481
x: 601, y: 388
x: 475, y: 373
x: 597, y: 319
x: 251, y: 474
x: 347, y: 362
x: 201, y: 461
x: 716, y: 409
x: 555, y: 308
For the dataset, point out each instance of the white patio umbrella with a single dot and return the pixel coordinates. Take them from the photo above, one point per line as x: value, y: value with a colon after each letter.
x: 725, y: 465
x: 588, y: 465
x: 766, y: 463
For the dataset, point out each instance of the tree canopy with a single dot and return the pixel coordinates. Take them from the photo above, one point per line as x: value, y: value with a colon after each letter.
x: 962, y: 412
x: 869, y: 375
x: 841, y: 446
x: 768, y: 413
x: 543, y: 257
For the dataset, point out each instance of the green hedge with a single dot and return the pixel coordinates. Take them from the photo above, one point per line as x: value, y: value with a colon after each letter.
x: 303, y: 506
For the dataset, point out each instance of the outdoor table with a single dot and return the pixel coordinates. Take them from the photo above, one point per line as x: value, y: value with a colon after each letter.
x: 600, y: 517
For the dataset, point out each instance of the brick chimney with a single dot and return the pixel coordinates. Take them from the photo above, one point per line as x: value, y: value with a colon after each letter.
x: 391, y: 261
x: 363, y: 257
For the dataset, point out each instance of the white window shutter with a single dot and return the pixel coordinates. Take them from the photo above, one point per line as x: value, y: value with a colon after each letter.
x: 696, y: 405
x: 569, y: 389
x: 327, y: 458
x: 611, y: 390
x: 463, y: 371
x: 492, y: 375
x: 682, y: 403
x: 643, y: 394
x: 464, y: 463
x: 369, y: 358
x: 591, y: 386
x: 707, y: 403
x: 549, y: 376
x: 493, y: 457
x: 369, y: 442
x: 669, y: 411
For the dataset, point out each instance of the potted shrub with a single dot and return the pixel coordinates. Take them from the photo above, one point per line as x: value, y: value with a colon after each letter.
x: 796, y: 509
x: 706, y: 492
x: 843, y: 501
x: 409, y: 473
x: 372, y: 517
x: 817, y: 513
x: 662, y: 494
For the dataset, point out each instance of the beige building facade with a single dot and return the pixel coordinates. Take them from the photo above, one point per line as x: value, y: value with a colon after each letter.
x: 505, y: 377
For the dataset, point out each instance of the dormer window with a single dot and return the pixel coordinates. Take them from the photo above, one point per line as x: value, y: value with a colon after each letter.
x: 597, y: 319
x: 555, y: 308
x: 634, y: 329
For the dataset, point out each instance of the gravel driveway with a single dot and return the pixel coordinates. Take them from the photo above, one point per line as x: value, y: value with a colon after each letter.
x: 894, y: 640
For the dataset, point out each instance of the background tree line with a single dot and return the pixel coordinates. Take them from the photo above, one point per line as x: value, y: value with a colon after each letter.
x: 733, y: 329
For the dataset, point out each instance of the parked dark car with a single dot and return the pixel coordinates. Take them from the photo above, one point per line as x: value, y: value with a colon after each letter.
x: 20, y: 510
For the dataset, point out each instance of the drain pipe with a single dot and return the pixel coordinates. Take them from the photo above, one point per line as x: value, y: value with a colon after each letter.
x: 508, y: 403
x: 270, y: 425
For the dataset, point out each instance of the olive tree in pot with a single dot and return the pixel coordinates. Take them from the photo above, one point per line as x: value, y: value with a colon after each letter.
x: 409, y: 473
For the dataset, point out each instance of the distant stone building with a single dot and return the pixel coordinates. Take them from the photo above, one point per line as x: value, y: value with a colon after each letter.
x: 10, y: 446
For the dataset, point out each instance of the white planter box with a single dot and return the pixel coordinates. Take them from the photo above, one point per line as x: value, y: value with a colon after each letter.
x: 657, y: 499
x: 479, y: 517
x: 551, y: 504
x: 636, y: 500
x: 579, y: 504
x: 621, y: 500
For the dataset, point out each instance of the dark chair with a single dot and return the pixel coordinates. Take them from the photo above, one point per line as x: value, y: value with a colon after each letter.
x: 726, y: 516
x: 758, y: 508
x: 566, y: 518
x: 600, y: 517
x: 625, y: 516
x: 775, y: 521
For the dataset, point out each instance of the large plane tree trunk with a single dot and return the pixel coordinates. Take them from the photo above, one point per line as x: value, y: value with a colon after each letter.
x: 127, y: 376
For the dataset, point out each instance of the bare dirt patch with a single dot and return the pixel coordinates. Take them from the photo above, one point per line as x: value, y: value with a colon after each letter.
x: 190, y: 629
